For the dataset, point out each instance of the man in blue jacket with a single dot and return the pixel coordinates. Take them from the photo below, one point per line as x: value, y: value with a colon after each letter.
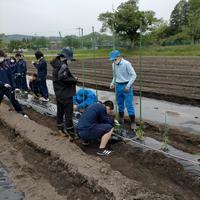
x: 41, y: 75
x: 7, y: 84
x: 123, y: 76
x: 83, y: 99
x: 95, y: 124
x: 20, y: 70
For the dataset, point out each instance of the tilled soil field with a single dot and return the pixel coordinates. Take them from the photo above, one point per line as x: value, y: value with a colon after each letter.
x: 169, y: 78
x: 156, y: 172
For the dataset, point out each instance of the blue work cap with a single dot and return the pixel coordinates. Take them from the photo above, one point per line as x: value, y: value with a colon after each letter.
x: 114, y: 54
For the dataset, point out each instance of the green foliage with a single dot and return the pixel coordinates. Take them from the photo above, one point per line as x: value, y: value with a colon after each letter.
x: 127, y: 21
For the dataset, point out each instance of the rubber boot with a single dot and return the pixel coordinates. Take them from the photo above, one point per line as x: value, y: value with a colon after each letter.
x: 121, y: 118
x: 133, y: 124
x: 71, y: 134
x: 61, y: 131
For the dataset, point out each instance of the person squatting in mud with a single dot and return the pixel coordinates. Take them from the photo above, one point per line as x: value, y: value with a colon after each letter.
x: 34, y: 85
x: 123, y: 76
x: 7, y: 83
x: 95, y: 124
x: 41, y: 66
x: 83, y: 99
x: 64, y: 84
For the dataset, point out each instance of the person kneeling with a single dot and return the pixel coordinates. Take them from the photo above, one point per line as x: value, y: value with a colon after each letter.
x: 83, y: 99
x: 34, y: 85
x: 95, y: 123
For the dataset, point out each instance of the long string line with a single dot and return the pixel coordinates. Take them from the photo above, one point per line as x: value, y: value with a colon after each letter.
x: 94, y: 61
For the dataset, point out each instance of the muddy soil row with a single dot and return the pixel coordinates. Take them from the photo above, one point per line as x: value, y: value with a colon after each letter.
x: 156, y: 172
x: 67, y: 168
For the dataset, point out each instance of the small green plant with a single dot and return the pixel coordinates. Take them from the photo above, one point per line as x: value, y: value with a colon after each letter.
x: 165, y: 142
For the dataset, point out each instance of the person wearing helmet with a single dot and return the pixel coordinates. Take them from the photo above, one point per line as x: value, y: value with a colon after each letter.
x: 20, y: 72
x: 41, y: 67
x: 7, y: 83
x: 124, y: 76
x: 64, y: 84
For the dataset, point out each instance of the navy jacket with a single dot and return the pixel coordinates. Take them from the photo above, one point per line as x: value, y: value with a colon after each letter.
x: 20, y: 68
x: 94, y: 114
x: 41, y: 68
x: 6, y: 76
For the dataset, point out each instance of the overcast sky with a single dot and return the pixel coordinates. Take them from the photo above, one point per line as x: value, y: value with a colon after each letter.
x: 48, y: 17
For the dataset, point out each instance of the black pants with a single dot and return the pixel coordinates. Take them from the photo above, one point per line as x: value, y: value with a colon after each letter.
x: 65, y: 114
x: 43, y: 88
x: 10, y: 93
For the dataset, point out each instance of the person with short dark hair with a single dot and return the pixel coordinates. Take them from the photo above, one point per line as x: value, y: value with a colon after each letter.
x: 96, y: 124
x: 41, y: 75
x: 64, y: 84
x: 7, y: 83
x: 20, y: 70
x: 34, y: 85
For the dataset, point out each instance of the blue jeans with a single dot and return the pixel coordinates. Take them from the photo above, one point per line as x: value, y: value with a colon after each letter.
x: 125, y: 98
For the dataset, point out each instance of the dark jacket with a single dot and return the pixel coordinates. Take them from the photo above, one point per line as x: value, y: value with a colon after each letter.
x: 6, y: 76
x: 20, y: 68
x: 94, y: 114
x: 64, y: 82
x: 41, y: 69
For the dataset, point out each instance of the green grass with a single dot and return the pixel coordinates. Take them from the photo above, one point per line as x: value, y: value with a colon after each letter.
x: 184, y: 50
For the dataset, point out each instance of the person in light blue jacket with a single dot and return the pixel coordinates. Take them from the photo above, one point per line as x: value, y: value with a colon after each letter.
x: 83, y: 99
x: 123, y: 76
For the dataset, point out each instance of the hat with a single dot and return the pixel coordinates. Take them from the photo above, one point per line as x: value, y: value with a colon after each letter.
x: 67, y: 53
x: 114, y: 54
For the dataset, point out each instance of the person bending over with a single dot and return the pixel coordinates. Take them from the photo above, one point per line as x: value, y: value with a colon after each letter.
x: 96, y: 124
x: 83, y: 99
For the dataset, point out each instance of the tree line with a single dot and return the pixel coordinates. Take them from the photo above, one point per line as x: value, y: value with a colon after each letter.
x: 126, y: 24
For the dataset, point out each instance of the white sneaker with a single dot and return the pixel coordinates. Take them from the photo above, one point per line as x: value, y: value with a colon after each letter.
x: 43, y: 99
x: 26, y: 116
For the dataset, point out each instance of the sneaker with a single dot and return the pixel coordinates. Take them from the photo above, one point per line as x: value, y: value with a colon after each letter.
x: 104, y: 152
x: 43, y: 99
x: 26, y: 116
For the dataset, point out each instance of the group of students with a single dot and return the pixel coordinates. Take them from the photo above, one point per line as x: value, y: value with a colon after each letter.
x: 95, y: 122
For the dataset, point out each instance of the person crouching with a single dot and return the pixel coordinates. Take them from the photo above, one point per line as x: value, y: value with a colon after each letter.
x: 96, y: 124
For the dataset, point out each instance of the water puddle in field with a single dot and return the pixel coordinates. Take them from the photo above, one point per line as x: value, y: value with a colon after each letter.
x: 7, y: 189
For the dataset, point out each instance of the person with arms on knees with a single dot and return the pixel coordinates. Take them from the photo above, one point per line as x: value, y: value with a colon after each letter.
x: 20, y: 72
x: 96, y: 124
x: 124, y: 76
x: 7, y: 84
x: 41, y: 75
x: 64, y: 84
x: 34, y: 85
x: 83, y: 99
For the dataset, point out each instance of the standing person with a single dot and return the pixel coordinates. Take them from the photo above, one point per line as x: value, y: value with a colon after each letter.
x: 20, y: 72
x: 95, y: 124
x: 124, y: 76
x: 64, y: 84
x: 41, y: 75
x: 7, y: 84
